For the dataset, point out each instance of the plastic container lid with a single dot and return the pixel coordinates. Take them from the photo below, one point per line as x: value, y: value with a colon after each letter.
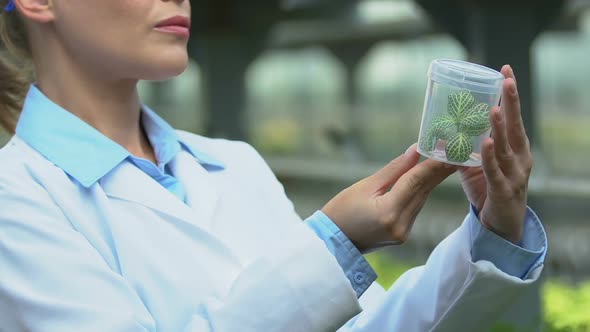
x: 466, y: 75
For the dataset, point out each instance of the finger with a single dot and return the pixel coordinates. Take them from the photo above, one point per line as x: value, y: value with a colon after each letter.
x: 508, y: 72
x: 383, y: 179
x: 467, y: 173
x: 502, y: 148
x: 494, y: 176
x: 401, y: 230
x: 412, y: 209
x: 512, y: 111
x: 418, y: 182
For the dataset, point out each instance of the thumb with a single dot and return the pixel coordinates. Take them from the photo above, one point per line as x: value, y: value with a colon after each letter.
x: 419, y: 182
x: 386, y: 177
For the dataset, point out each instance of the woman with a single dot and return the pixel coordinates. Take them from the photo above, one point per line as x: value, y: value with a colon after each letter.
x: 113, y: 221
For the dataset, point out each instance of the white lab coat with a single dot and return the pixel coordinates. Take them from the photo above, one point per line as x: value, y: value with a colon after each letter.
x: 127, y: 255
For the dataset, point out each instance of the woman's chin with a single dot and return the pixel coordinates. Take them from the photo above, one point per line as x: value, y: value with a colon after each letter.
x: 164, y: 70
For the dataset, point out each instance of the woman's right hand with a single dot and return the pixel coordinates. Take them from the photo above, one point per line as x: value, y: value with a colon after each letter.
x: 380, y: 209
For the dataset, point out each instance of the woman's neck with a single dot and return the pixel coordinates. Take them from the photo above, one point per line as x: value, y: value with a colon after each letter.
x: 112, y: 107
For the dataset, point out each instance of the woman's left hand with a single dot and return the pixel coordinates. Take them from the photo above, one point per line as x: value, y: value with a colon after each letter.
x: 498, y: 189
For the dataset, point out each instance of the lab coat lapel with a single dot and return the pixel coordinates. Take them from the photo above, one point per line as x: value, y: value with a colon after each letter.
x: 200, y: 186
x: 129, y: 183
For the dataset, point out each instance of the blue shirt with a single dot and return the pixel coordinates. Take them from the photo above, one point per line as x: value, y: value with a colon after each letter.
x: 37, y: 123
x: 41, y: 118
x: 517, y: 261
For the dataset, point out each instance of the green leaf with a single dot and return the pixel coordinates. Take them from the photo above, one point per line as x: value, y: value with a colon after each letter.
x: 460, y: 103
x: 459, y: 148
x: 475, y: 121
x: 442, y: 127
x: 427, y: 141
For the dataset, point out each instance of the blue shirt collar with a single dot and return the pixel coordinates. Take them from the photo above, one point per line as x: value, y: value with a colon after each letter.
x: 82, y: 151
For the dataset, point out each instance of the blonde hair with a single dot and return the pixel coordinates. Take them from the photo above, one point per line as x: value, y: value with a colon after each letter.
x: 15, y: 66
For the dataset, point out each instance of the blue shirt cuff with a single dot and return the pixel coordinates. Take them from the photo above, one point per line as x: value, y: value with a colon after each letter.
x: 516, y: 260
x: 356, y: 268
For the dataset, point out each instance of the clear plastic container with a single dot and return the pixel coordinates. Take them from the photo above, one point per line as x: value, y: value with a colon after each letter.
x: 455, y: 120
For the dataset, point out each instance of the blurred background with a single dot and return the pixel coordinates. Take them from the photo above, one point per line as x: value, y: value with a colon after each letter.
x: 330, y: 90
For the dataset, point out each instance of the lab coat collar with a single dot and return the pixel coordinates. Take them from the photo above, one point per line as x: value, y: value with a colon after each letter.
x: 128, y: 183
x: 160, y: 133
x: 82, y: 151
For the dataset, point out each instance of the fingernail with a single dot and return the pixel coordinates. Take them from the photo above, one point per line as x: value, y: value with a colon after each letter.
x: 409, y: 151
x: 511, y: 70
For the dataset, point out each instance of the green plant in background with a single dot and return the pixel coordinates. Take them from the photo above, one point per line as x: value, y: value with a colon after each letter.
x: 465, y: 119
x: 387, y: 267
x: 566, y: 308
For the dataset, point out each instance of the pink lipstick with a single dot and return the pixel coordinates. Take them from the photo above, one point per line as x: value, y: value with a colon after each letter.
x: 177, y: 25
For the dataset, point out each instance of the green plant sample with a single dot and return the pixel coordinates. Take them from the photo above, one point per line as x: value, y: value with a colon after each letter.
x: 459, y: 147
x: 465, y: 119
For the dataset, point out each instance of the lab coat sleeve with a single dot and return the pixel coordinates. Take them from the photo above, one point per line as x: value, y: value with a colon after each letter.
x: 451, y: 292
x: 296, y: 287
x: 52, y: 279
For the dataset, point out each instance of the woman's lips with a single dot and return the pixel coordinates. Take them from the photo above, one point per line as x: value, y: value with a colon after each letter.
x: 178, y: 25
x: 175, y: 29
